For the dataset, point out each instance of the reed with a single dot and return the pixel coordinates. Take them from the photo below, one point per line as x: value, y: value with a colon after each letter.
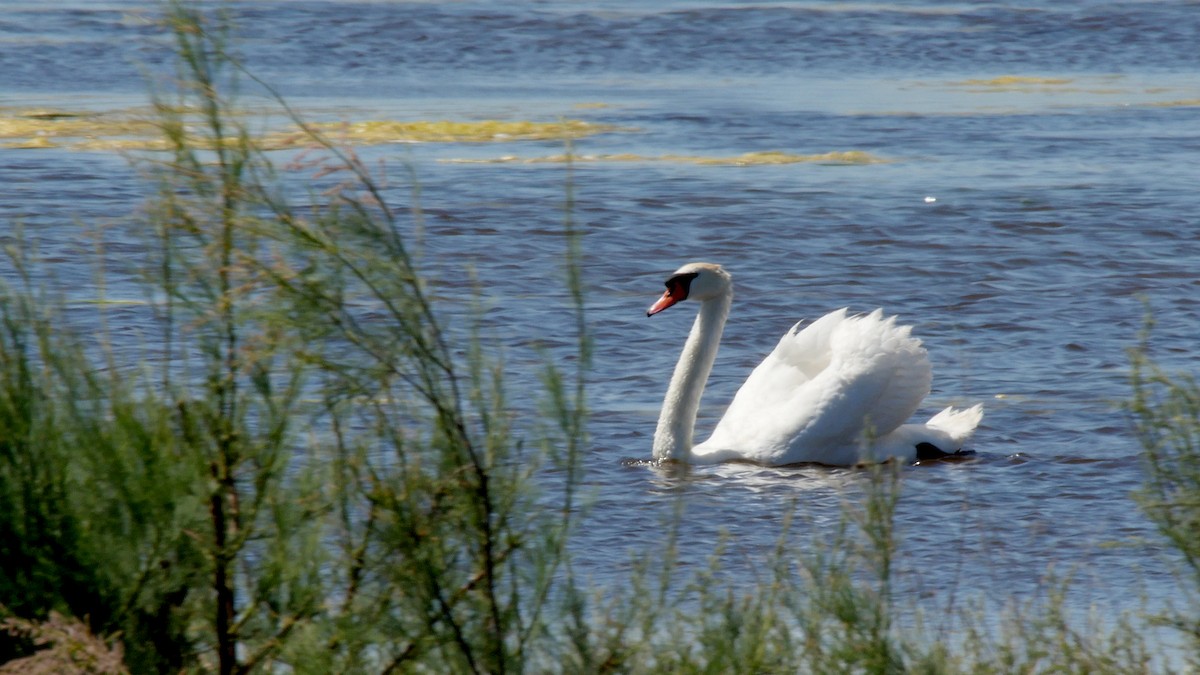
x: 306, y: 468
x: 1165, y: 409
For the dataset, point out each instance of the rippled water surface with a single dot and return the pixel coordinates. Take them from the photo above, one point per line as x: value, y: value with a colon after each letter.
x: 1040, y: 184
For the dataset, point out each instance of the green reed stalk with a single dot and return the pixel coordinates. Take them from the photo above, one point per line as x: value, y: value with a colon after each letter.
x: 1166, y: 416
x: 311, y: 473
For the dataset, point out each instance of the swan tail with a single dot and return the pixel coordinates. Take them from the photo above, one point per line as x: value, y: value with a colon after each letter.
x: 957, y: 424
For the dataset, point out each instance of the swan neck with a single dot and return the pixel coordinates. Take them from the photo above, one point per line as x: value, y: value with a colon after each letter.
x: 676, y: 424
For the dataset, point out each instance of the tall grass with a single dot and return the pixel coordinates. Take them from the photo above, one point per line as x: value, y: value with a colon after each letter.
x: 1166, y: 411
x: 310, y: 470
x: 307, y: 469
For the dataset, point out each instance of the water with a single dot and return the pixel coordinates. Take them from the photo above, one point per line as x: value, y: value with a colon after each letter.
x: 1020, y: 225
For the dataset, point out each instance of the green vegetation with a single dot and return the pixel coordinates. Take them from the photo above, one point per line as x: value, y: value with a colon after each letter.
x: 1166, y: 412
x: 28, y: 128
x: 311, y: 472
x: 768, y: 158
x: 307, y: 471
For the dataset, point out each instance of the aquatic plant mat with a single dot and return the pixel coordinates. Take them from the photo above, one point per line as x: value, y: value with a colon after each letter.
x: 140, y: 130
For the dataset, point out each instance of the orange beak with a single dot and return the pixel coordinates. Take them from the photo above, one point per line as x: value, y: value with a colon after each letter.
x: 664, y: 302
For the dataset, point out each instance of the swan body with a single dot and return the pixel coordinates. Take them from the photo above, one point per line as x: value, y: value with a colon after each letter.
x: 836, y: 392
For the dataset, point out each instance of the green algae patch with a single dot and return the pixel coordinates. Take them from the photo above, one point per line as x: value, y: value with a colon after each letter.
x: 768, y: 158
x: 120, y: 130
x: 374, y: 132
x: 37, y: 143
x: 50, y: 128
x: 128, y: 130
x: 1183, y: 103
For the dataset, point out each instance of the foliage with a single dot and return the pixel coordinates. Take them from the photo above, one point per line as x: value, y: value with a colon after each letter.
x: 308, y: 469
x: 1166, y: 415
x: 70, y: 648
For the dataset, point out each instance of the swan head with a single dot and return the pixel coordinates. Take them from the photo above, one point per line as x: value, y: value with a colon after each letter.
x: 694, y: 281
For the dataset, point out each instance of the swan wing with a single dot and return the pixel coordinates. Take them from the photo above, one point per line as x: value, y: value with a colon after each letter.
x: 824, y: 389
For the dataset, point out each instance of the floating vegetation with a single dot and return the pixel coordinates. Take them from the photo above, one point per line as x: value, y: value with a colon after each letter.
x: 1094, y: 86
x: 36, y: 128
x: 1014, y: 83
x: 1183, y: 103
x: 774, y: 157
x: 746, y: 159
x: 51, y: 128
x: 373, y: 132
x: 132, y: 130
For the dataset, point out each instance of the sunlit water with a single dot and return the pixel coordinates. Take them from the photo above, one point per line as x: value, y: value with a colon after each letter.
x: 1021, y: 225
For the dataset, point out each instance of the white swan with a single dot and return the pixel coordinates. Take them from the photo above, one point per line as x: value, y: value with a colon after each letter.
x: 837, y: 392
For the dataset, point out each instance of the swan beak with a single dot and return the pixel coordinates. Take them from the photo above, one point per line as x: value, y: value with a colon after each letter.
x: 664, y: 302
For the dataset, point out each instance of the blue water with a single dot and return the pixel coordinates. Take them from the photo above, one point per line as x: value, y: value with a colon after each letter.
x: 1022, y: 229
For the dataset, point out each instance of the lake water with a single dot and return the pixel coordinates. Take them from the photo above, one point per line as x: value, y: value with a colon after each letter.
x: 1038, y: 183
